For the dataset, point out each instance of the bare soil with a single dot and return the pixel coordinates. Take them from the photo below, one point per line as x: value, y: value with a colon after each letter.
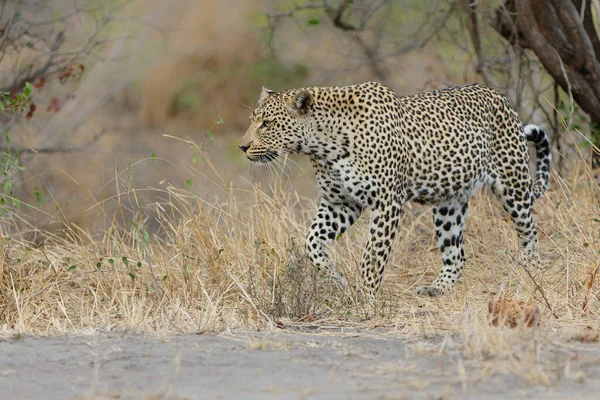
x: 315, y: 364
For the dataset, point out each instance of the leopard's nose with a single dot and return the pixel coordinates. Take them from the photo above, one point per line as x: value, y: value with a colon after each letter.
x: 243, y: 147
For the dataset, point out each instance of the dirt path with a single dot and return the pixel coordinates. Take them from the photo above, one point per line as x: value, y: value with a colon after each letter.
x: 276, y: 365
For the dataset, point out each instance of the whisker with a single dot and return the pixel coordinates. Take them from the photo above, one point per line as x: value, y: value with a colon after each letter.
x: 287, y: 158
x: 285, y: 171
x: 246, y: 106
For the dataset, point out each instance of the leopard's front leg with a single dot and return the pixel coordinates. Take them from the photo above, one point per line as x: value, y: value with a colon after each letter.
x: 384, y: 223
x: 332, y: 219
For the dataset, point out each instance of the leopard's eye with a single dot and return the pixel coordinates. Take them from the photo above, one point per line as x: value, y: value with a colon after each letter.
x: 266, y: 123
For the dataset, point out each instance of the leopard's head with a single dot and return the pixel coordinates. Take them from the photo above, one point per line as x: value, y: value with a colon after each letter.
x: 277, y: 125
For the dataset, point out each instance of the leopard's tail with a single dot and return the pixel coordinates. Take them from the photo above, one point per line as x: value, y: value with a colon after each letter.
x: 536, y: 135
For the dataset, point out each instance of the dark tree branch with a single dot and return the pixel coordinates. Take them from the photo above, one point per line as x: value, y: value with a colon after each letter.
x: 562, y: 35
x: 573, y: 27
x: 336, y: 16
x: 536, y: 28
x: 48, y: 65
x: 506, y: 25
x: 588, y: 25
x: 550, y: 26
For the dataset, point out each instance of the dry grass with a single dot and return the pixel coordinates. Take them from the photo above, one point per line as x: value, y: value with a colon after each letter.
x: 237, y: 265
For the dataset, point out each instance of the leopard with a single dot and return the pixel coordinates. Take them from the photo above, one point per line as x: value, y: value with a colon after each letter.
x: 374, y: 150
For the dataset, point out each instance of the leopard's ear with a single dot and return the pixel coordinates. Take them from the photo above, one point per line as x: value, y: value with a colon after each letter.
x: 264, y: 94
x: 303, y: 102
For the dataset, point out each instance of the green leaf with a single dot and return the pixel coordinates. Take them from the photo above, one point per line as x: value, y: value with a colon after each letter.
x: 72, y: 268
x: 111, y: 261
x: 125, y: 261
x: 38, y: 196
x: 164, y: 278
x: 28, y: 89
x: 188, y: 182
x: 313, y: 21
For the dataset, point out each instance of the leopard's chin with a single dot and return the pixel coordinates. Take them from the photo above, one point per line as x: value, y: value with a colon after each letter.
x: 264, y: 158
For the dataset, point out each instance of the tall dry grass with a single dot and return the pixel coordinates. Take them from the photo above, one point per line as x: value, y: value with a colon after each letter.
x: 238, y: 264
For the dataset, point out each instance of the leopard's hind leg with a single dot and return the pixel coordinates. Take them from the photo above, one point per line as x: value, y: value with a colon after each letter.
x: 449, y: 222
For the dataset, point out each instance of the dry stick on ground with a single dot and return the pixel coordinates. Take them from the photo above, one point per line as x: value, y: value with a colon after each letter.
x: 538, y: 287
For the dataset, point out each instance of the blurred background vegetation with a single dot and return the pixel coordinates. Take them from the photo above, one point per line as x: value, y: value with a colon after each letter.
x: 106, y: 104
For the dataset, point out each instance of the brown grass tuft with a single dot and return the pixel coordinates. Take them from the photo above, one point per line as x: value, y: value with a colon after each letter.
x: 513, y: 313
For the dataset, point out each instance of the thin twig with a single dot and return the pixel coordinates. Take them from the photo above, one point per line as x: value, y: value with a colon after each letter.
x: 538, y: 287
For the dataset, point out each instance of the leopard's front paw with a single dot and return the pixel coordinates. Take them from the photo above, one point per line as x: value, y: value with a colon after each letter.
x: 430, y: 291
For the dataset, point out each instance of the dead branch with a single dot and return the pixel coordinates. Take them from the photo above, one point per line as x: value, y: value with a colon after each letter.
x: 538, y: 288
x: 47, y: 39
x: 340, y: 16
x: 49, y: 65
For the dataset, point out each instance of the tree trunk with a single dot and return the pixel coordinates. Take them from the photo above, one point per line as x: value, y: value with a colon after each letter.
x: 562, y: 35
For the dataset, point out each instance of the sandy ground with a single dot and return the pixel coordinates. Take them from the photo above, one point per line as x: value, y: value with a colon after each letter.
x: 277, y: 364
